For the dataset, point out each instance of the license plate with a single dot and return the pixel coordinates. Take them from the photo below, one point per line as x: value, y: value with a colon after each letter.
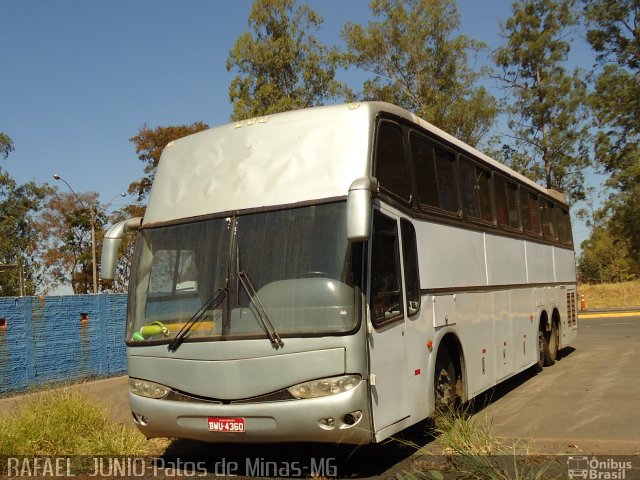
x: 226, y: 424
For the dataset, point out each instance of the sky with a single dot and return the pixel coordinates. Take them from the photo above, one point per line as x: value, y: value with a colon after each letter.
x: 78, y: 78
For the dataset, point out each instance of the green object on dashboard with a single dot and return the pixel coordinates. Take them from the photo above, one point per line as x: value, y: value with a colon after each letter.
x: 137, y: 337
x: 151, y: 330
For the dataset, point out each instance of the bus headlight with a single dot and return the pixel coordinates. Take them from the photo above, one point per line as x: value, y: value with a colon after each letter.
x: 147, y: 389
x: 325, y: 386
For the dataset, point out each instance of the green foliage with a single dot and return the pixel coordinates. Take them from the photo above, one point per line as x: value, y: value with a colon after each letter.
x: 149, y: 146
x: 605, y: 258
x: 418, y: 63
x: 614, y: 34
x: 6, y: 145
x: 18, y: 205
x: 547, y: 114
x: 280, y: 65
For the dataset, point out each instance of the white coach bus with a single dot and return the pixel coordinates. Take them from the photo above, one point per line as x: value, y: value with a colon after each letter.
x: 331, y: 274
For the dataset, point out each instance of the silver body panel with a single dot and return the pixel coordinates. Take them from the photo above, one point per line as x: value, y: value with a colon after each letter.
x: 237, y: 370
x: 279, y: 159
x: 316, y: 154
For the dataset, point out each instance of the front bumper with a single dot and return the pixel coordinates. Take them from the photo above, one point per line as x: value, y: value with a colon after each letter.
x: 267, y: 422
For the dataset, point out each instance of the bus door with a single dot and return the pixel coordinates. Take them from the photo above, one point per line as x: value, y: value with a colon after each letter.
x: 387, y: 357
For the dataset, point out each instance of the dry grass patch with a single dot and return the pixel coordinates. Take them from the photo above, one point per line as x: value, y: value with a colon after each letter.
x: 611, y: 295
x: 61, y: 422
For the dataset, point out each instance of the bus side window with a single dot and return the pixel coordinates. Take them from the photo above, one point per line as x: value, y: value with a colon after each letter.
x: 476, y: 191
x: 391, y: 162
x: 386, y: 291
x: 506, y: 203
x: 564, y: 226
x: 425, y: 168
x: 435, y: 176
x: 548, y: 220
x: 529, y: 211
x: 410, y: 263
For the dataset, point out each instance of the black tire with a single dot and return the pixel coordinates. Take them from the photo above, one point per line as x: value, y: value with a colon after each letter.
x: 554, y: 341
x: 445, y: 381
x: 540, y: 363
x: 544, y: 352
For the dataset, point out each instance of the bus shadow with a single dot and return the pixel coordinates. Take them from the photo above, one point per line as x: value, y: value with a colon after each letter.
x: 299, y: 460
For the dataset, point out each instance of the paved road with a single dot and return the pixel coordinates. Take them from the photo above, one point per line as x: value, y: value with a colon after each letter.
x: 589, y: 398
x: 588, y: 402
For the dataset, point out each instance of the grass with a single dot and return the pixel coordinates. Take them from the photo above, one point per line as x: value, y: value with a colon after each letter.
x: 61, y: 422
x: 472, y: 450
x: 611, y: 295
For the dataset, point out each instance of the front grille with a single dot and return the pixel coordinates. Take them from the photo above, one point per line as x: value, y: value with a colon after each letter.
x: 278, y: 396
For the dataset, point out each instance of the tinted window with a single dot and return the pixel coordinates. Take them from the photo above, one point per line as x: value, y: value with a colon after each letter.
x: 507, y: 203
x: 391, y: 164
x: 410, y: 263
x: 529, y: 211
x: 425, y: 168
x: 564, y: 226
x: 548, y: 220
x: 447, y: 189
x: 386, y: 293
x: 476, y: 191
x: 435, y: 175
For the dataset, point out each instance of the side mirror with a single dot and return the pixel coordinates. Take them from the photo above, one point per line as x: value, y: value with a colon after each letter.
x: 111, y: 244
x: 361, y: 192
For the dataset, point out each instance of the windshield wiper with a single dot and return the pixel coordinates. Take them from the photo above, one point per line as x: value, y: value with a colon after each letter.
x: 212, y: 302
x: 275, y: 339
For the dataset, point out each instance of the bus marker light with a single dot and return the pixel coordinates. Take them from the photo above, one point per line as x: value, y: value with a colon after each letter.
x: 484, y: 350
x: 430, y: 344
x: 417, y: 372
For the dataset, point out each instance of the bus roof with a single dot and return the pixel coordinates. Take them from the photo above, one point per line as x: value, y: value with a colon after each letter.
x: 285, y: 158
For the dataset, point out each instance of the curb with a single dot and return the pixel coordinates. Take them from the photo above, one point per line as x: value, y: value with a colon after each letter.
x: 609, y: 314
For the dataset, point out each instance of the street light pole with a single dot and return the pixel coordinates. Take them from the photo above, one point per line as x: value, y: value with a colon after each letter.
x: 92, y: 214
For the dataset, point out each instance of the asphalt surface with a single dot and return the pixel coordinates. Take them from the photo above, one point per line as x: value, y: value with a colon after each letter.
x: 587, y: 403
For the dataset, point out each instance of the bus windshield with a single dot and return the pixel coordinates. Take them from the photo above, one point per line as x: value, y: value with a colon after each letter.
x: 298, y: 260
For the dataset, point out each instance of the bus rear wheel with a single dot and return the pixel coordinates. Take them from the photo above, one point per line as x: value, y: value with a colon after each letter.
x: 554, y: 340
x: 545, y: 356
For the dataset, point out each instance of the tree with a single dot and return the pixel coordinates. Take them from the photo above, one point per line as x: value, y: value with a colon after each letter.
x: 613, y: 30
x: 149, y: 146
x: 64, y: 228
x: 605, y: 258
x: 547, y: 114
x: 6, y: 145
x: 419, y: 64
x: 18, y: 205
x: 280, y: 65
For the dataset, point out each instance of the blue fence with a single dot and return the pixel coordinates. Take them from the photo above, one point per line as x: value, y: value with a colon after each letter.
x: 60, y: 339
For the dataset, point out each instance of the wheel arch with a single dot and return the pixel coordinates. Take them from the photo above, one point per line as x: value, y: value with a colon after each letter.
x: 451, y: 342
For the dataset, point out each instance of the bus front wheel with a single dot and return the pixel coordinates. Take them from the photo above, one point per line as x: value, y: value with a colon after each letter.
x: 445, y: 381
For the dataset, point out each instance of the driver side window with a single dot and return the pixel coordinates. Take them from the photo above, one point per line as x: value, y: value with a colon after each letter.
x: 386, y: 290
